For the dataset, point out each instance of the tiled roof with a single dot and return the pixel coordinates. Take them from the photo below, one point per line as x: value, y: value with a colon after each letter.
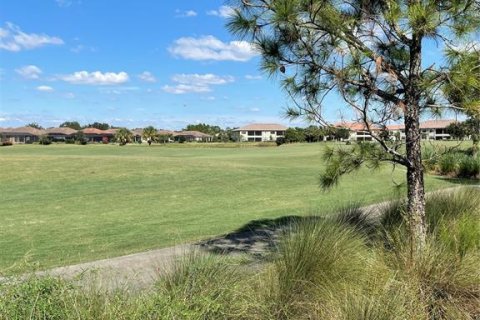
x: 196, y: 134
x: 137, y: 132
x: 24, y: 130
x: 395, y: 127
x: 262, y: 127
x: 110, y: 131
x: 64, y: 130
x: 355, y: 126
x: 165, y: 132
x: 95, y: 131
x: 436, y: 124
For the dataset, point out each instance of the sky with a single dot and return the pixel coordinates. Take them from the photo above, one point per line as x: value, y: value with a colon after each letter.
x: 133, y: 64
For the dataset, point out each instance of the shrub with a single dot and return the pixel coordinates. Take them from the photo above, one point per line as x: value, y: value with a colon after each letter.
x: 280, y: 141
x: 315, y: 257
x: 448, y: 163
x: 44, y: 140
x: 6, y: 143
x: 469, y: 167
x: 35, y: 298
x: 80, y: 138
x: 438, y: 284
x: 199, y: 287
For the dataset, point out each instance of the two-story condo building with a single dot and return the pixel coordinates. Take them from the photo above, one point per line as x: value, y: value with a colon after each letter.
x: 258, y: 132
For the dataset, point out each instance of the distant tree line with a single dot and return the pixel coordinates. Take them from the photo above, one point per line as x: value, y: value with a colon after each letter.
x: 76, y: 125
x: 315, y: 134
x: 468, y: 128
x: 219, y: 134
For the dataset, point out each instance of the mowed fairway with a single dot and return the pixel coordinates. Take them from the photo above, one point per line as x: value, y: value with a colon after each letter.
x: 62, y: 204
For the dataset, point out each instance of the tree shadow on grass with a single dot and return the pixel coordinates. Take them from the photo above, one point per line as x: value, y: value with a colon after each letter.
x: 257, y: 237
x: 474, y: 182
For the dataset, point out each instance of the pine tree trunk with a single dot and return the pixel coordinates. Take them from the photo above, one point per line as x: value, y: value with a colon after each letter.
x: 415, y: 185
x: 415, y: 182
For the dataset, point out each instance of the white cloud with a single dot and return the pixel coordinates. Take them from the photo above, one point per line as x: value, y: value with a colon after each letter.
x: 80, y: 47
x: 12, y: 38
x: 185, y: 14
x: 184, y: 88
x: 252, y: 77
x: 211, y: 48
x: 147, y: 77
x: 202, y: 79
x: 255, y: 109
x: 118, y: 90
x: 45, y: 88
x: 196, y: 83
x: 30, y: 72
x: 96, y: 78
x: 223, y: 12
x: 64, y: 3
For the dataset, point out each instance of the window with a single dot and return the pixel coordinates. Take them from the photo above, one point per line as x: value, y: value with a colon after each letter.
x: 258, y: 133
x: 251, y: 133
x: 279, y: 133
x: 244, y: 132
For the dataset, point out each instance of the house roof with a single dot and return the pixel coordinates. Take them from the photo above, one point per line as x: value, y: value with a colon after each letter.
x: 436, y: 124
x: 64, y: 130
x: 137, y: 132
x: 95, y: 131
x: 110, y: 131
x: 262, y: 127
x: 165, y: 132
x: 355, y: 126
x: 395, y: 127
x: 24, y: 130
x: 429, y: 124
x: 196, y: 134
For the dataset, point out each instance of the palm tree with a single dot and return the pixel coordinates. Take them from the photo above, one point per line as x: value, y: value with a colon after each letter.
x: 123, y: 136
x: 150, y: 134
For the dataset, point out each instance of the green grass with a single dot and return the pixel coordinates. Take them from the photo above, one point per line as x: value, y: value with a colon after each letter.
x: 321, y: 268
x: 62, y: 204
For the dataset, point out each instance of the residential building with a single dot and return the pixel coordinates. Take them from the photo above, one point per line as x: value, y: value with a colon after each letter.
x: 435, y: 129
x: 430, y: 130
x: 258, y: 132
x: 358, y: 131
x: 191, y: 136
x: 138, y: 135
x: 97, y: 135
x: 21, y: 135
x: 397, y: 131
x: 60, y: 134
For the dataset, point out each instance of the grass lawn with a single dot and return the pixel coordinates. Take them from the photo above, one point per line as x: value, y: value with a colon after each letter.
x: 62, y: 204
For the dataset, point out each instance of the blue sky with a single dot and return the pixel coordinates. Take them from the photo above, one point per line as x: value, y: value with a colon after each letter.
x: 131, y: 63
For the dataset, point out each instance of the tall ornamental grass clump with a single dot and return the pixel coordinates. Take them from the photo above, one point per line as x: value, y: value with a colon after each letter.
x: 199, y: 287
x: 444, y: 282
